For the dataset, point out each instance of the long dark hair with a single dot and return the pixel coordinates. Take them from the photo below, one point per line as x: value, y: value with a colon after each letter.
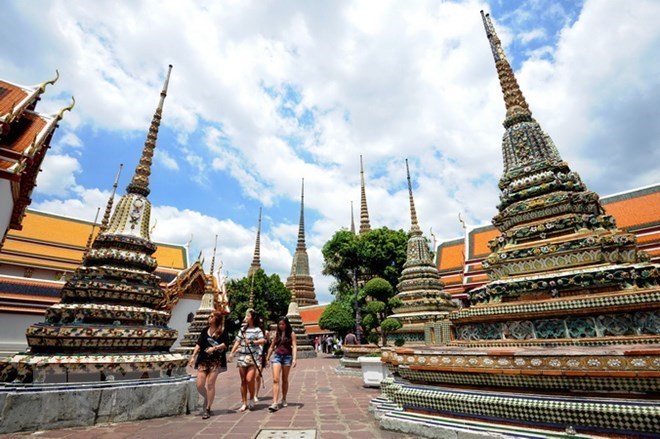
x: 287, y: 330
x: 218, y: 321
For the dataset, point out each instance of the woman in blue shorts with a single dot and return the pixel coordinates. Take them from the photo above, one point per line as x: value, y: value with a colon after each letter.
x: 283, y: 351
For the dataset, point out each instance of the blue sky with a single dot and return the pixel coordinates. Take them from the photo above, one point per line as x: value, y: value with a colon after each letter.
x: 266, y: 93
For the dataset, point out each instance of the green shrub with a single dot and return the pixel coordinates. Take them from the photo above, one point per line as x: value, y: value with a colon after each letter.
x: 399, y: 342
x: 373, y: 338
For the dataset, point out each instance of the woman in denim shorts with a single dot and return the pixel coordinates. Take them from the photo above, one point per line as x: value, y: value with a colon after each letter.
x: 283, y: 352
x: 248, y: 344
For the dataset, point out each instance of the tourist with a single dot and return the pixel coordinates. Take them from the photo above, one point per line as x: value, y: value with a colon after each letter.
x: 261, y: 360
x: 316, y: 344
x: 350, y: 338
x: 283, y: 351
x: 248, y: 342
x: 208, y: 358
x: 328, y: 344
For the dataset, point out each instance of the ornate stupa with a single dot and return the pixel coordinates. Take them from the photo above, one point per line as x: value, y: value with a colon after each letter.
x: 565, y: 335
x: 213, y: 299
x: 419, y: 288
x: 110, y: 324
x: 108, y: 207
x: 301, y: 285
x: 299, y: 282
x: 365, y: 226
x: 256, y: 257
x: 352, y: 220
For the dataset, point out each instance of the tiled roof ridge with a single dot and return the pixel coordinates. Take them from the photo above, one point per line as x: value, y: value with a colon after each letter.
x: 90, y: 222
x: 26, y: 280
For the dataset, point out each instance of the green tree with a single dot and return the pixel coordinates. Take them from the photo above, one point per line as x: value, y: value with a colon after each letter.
x: 340, y: 258
x: 382, y: 253
x: 380, y: 305
x: 337, y: 318
x: 271, y: 298
x: 377, y: 253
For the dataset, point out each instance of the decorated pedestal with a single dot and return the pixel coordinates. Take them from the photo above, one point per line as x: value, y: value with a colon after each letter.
x: 110, y: 326
x: 566, y: 336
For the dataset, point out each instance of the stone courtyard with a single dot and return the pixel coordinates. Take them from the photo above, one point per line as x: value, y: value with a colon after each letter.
x: 322, y: 405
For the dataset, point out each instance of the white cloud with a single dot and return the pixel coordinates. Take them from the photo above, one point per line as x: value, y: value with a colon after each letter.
x: 273, y: 92
x: 58, y: 175
x: 164, y: 158
x: 534, y: 34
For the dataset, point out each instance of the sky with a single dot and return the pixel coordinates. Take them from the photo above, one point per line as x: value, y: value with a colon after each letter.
x: 265, y: 93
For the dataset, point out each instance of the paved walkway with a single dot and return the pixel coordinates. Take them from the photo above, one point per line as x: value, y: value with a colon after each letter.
x: 334, y: 406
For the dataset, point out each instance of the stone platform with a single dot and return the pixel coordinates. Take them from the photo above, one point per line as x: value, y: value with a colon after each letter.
x: 334, y: 407
x: 27, y: 407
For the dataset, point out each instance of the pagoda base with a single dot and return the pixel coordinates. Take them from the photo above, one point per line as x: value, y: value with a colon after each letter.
x: 394, y: 418
x: 306, y: 352
x: 29, y: 407
x: 421, y: 409
x: 44, y: 368
x: 606, y: 390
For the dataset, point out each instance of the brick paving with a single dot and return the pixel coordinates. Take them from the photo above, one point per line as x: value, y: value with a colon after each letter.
x: 334, y: 405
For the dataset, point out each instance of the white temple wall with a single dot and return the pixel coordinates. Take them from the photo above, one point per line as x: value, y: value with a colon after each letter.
x: 179, y: 320
x: 6, y: 206
x: 12, y: 332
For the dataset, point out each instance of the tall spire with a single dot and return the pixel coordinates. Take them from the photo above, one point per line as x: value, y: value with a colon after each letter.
x: 364, y: 212
x: 215, y: 246
x: 524, y: 142
x: 515, y: 103
x: 413, y: 214
x: 420, y: 288
x: 352, y: 220
x: 256, y: 258
x: 91, y: 234
x: 108, y: 207
x: 140, y: 181
x: 299, y: 282
x: 301, y: 225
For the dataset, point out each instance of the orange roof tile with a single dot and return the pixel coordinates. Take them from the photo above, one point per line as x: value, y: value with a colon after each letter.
x: 31, y: 248
x: 451, y: 256
x: 651, y: 237
x: 46, y: 236
x: 38, y: 262
x: 24, y: 132
x: 5, y: 164
x: 452, y: 279
x: 479, y: 241
x: 316, y: 330
x: 311, y: 315
x: 12, y: 96
x: 634, y: 211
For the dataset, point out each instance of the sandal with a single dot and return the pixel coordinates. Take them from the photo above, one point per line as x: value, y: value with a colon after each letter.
x: 273, y: 407
x: 207, y: 414
x: 284, y: 403
x: 243, y: 408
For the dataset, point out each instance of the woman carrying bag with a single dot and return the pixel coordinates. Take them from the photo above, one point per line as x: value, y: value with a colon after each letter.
x: 248, y: 342
x: 208, y: 358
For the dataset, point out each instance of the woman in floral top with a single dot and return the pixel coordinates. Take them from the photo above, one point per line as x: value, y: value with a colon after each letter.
x: 248, y: 342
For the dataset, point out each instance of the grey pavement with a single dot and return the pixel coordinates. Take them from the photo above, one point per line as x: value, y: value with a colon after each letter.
x: 330, y: 405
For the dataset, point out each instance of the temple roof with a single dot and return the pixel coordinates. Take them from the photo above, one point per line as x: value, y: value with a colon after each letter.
x: 58, y: 242
x: 450, y: 254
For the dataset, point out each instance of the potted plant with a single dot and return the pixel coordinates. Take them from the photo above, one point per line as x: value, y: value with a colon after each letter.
x: 373, y: 370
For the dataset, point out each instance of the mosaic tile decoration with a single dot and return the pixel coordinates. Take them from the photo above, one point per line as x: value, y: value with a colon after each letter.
x: 591, y: 413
